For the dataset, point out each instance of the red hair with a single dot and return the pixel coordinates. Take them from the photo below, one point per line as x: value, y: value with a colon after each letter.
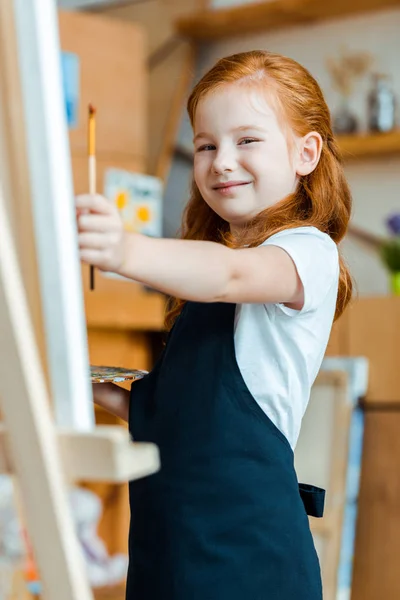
x: 322, y: 198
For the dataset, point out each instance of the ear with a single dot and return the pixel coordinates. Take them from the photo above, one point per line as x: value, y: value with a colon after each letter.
x: 309, y: 152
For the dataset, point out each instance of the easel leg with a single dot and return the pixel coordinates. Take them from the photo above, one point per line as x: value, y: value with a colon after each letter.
x: 32, y: 437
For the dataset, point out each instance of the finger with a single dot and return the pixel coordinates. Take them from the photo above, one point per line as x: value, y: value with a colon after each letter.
x: 92, y: 222
x: 95, y: 203
x: 92, y: 241
x: 92, y: 257
x: 81, y: 211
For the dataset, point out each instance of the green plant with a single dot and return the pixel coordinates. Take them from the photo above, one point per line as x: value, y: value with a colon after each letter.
x: 390, y: 253
x: 390, y: 249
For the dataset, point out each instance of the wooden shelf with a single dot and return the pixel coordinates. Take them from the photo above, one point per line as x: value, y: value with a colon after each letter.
x: 353, y: 146
x: 218, y: 23
x: 373, y: 145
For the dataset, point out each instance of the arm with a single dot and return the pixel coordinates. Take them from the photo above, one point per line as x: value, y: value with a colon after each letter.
x: 192, y: 270
x: 211, y: 272
x: 112, y: 398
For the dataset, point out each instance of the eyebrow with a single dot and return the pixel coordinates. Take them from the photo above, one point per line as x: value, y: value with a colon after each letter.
x: 241, y: 128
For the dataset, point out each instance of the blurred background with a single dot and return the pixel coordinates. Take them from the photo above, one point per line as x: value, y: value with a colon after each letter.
x: 136, y: 63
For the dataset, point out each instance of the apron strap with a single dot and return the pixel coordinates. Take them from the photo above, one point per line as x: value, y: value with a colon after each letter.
x: 313, y: 499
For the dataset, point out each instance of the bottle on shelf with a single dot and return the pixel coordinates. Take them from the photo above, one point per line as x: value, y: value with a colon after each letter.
x: 381, y: 104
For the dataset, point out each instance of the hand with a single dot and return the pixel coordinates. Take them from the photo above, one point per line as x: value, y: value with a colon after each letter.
x: 101, y: 233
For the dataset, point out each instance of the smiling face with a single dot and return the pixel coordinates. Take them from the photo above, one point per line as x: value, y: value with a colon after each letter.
x: 242, y: 161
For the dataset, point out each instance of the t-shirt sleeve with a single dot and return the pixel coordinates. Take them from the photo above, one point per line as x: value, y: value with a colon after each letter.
x: 316, y: 258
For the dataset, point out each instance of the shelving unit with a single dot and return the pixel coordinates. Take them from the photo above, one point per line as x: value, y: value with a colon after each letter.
x: 370, y: 145
x: 261, y: 16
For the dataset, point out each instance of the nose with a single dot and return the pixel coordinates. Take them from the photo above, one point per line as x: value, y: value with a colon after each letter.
x: 224, y: 161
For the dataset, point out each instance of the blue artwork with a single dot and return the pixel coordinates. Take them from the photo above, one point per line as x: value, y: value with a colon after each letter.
x: 70, y: 77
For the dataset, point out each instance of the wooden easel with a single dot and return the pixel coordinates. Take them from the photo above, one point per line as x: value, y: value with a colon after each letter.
x: 321, y: 456
x: 44, y: 452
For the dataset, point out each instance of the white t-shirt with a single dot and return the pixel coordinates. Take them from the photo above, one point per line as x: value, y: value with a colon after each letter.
x: 279, y: 350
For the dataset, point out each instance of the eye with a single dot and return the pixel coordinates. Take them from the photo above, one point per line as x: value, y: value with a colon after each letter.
x: 247, y: 141
x: 206, y: 147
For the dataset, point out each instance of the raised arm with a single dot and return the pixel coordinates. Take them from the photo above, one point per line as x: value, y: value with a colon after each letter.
x: 192, y: 270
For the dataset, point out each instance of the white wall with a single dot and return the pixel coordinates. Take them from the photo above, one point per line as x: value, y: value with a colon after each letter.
x: 375, y: 183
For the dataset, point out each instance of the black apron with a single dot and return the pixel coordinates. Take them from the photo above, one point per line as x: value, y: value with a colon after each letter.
x: 225, y: 517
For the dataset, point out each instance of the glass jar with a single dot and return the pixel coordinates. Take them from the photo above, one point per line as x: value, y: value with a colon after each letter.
x: 381, y: 104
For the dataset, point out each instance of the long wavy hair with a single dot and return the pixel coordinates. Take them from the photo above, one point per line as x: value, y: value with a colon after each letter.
x: 322, y: 198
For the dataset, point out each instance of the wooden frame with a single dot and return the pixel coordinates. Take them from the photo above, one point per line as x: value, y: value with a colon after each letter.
x: 31, y: 440
x: 42, y: 455
x: 51, y: 204
x: 333, y: 438
x: 117, y: 458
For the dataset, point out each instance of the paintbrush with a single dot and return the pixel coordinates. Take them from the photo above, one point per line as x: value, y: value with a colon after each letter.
x: 92, y: 165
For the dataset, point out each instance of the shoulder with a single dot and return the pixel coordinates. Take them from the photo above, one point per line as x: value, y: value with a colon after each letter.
x: 302, y: 235
x: 316, y: 259
x: 309, y: 244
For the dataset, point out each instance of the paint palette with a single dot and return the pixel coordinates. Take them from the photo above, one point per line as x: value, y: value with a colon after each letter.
x: 114, y: 374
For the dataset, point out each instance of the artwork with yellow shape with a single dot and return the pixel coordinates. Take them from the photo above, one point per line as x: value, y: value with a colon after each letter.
x: 138, y: 197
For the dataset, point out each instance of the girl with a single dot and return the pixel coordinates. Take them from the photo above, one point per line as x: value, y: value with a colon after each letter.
x: 258, y: 282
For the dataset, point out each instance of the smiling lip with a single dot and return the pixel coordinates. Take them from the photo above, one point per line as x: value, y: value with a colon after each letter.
x: 228, y: 184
